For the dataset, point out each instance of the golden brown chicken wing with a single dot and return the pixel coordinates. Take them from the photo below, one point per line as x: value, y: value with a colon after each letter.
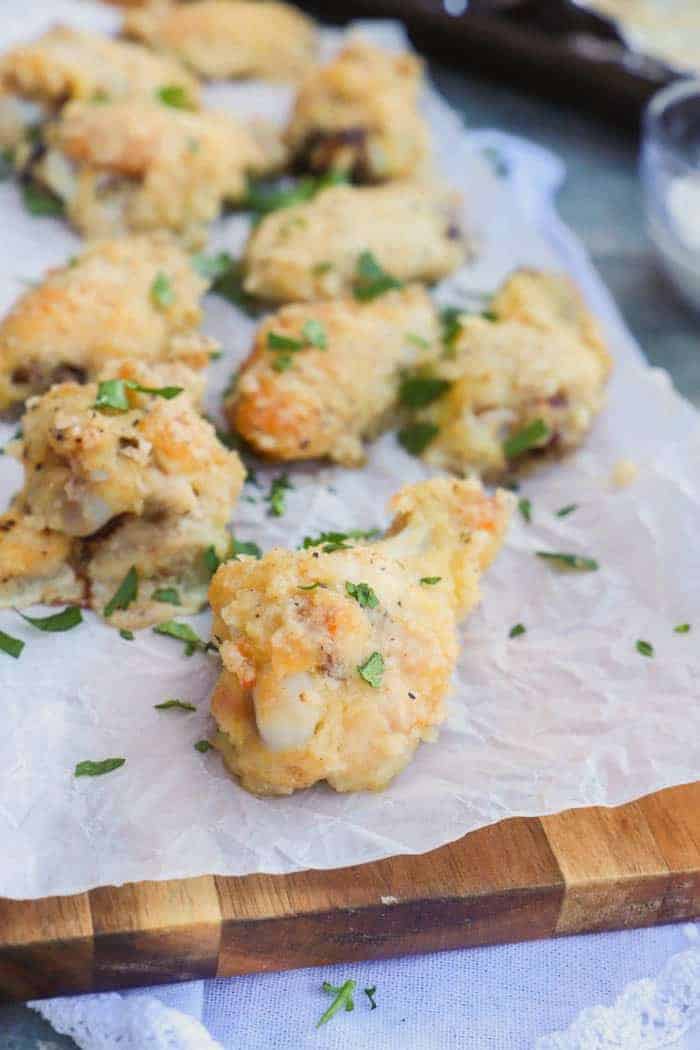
x: 337, y: 659
x: 223, y: 40
x: 359, y: 114
x: 66, y: 64
x: 137, y: 166
x: 338, y: 383
x: 315, y: 250
x: 101, y: 306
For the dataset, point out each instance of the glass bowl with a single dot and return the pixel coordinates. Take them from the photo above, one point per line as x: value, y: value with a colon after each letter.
x: 670, y: 171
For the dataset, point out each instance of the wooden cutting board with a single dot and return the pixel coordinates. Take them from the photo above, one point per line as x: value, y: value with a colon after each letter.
x: 583, y: 870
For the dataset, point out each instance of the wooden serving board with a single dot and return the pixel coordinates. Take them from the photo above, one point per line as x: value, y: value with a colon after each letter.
x: 583, y: 870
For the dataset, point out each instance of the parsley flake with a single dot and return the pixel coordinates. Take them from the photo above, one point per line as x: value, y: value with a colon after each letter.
x: 416, y: 437
x: 314, y: 333
x: 174, y: 705
x: 363, y: 594
x: 371, y: 279
x: 162, y: 291
x: 128, y: 636
x: 370, y: 993
x: 11, y: 646
x: 645, y: 648
x: 569, y: 561
x: 310, y: 586
x: 525, y: 508
x: 276, y: 341
x: 564, y: 512
x: 372, y: 670
x: 202, y: 746
x: 338, y: 541
x: 276, y: 498
x: 534, y: 435
x: 89, y: 768
x: 63, y: 621
x: 417, y: 340
x: 41, y: 202
x: 517, y: 630
x: 263, y: 197
x: 244, y: 547
x: 417, y: 391
x: 125, y: 594
x: 451, y: 328
x: 112, y: 394
x: 173, y: 95
x: 682, y: 628
x: 212, y: 267
x: 168, y: 595
x: 182, y: 632
x: 211, y: 560
x: 343, y: 1000
x: 430, y: 581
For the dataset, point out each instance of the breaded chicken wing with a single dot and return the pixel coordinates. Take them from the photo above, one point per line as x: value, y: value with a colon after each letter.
x: 337, y: 659
x: 140, y: 165
x: 359, y: 114
x: 323, y: 398
x: 222, y: 40
x: 66, y: 64
x: 312, y: 250
x: 511, y: 392
x: 88, y: 462
x: 101, y: 307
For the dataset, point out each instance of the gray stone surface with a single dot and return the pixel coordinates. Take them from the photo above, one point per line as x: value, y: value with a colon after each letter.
x: 601, y: 201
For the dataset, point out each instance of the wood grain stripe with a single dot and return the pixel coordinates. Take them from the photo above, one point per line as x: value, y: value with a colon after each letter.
x: 45, y: 947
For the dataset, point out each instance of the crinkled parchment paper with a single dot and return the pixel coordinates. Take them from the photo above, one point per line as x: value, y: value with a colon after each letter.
x: 568, y: 714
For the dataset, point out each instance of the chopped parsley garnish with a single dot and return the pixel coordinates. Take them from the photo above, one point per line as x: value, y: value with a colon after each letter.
x: 212, y: 267
x: 11, y: 646
x: 489, y: 315
x: 534, y: 435
x: 416, y: 437
x: 174, y: 705
x: 564, y: 512
x: 451, y: 327
x: 363, y: 594
x: 112, y: 393
x: 202, y: 746
x: 525, y: 508
x: 228, y: 283
x: 262, y: 197
x: 310, y: 586
x: 41, y: 202
x: 244, y: 547
x: 98, y: 769
x: 128, y: 636
x: 371, y: 279
x: 645, y: 648
x: 315, y: 334
x: 419, y: 390
x: 125, y: 594
x: 319, y: 269
x: 169, y: 595
x: 343, y: 1000
x: 682, y: 628
x: 276, y: 496
x: 370, y: 993
x: 162, y: 291
x: 275, y: 341
x: 569, y: 561
x: 182, y: 632
x: 417, y: 340
x: 174, y: 95
x: 430, y: 581
x: 63, y: 621
x: 338, y: 541
x: 372, y: 670
x: 517, y: 630
x: 211, y: 560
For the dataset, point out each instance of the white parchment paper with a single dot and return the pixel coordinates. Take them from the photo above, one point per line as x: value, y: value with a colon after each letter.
x: 569, y: 714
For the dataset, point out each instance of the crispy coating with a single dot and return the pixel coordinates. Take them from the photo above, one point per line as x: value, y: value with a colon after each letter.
x: 359, y: 114
x: 66, y: 64
x: 311, y: 250
x: 329, y: 399
x: 550, y: 301
x: 140, y: 166
x: 222, y: 40
x: 506, y: 375
x: 85, y: 467
x: 100, y: 308
x: 35, y: 563
x: 291, y: 705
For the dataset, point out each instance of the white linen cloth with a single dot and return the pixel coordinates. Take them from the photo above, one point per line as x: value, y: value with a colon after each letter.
x: 637, y: 990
